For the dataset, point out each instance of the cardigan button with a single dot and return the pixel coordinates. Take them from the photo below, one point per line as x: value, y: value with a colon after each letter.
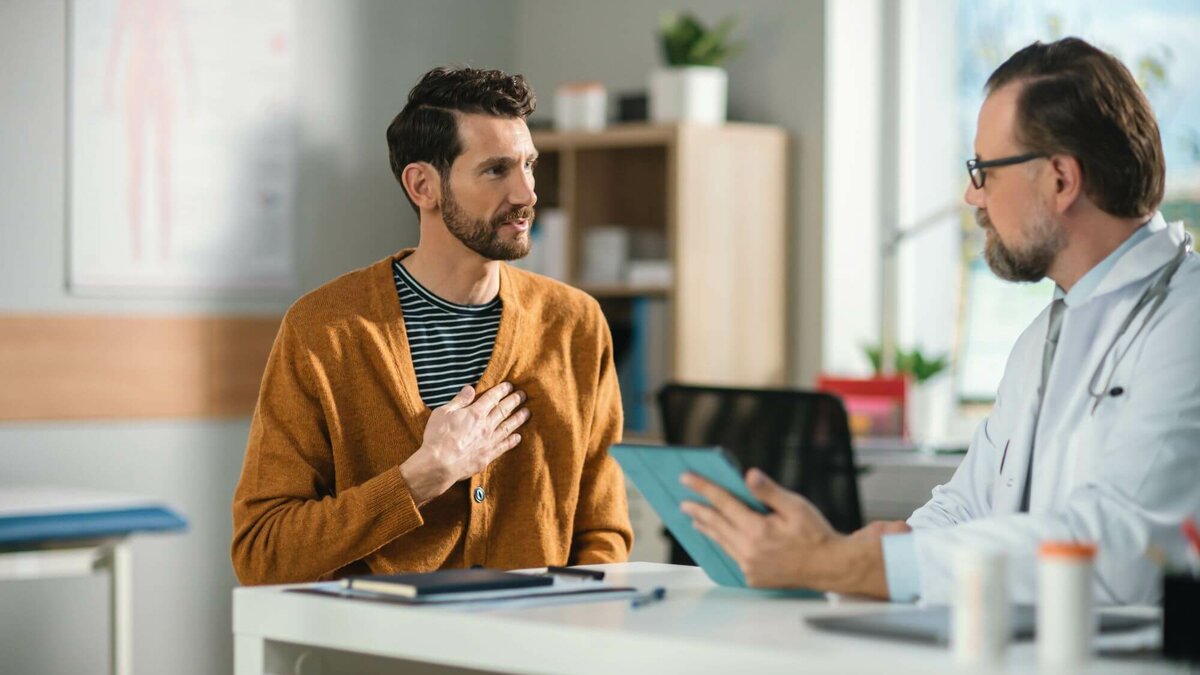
x: 479, y: 495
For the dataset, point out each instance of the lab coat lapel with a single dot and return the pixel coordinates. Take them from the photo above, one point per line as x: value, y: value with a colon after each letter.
x: 1010, y: 482
x: 1145, y: 258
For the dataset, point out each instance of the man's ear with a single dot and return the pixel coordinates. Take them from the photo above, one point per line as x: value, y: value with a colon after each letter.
x: 1068, y: 181
x: 423, y: 184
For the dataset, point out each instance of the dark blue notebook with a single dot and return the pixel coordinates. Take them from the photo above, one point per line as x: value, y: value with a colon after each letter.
x: 423, y: 584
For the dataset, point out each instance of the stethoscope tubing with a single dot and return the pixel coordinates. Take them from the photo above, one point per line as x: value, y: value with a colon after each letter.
x: 1152, y: 297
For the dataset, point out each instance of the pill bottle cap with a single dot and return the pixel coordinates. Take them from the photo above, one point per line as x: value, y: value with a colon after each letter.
x: 1074, y: 550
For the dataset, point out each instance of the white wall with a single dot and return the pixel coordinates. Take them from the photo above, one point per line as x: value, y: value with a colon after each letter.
x: 778, y: 79
x: 357, y: 61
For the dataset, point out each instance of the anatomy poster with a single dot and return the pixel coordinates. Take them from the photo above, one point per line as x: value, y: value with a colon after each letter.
x: 181, y: 144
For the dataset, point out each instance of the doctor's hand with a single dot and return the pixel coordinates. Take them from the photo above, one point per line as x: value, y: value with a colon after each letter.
x: 879, y: 528
x: 793, y: 546
x: 463, y: 437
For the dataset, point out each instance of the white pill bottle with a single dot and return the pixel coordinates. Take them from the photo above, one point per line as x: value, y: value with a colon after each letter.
x: 981, y: 628
x: 1066, y: 622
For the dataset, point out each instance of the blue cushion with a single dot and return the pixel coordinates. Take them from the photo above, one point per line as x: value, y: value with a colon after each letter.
x: 88, y: 525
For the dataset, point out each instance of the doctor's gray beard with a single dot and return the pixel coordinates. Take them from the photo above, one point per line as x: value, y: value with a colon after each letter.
x: 1044, y: 239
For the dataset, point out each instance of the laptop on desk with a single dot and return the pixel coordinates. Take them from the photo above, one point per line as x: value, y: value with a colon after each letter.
x: 931, y: 625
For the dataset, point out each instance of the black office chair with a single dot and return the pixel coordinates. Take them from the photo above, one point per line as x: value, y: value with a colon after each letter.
x: 799, y: 438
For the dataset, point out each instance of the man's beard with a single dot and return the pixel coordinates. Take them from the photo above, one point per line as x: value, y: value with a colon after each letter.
x: 483, y: 237
x: 1044, y: 239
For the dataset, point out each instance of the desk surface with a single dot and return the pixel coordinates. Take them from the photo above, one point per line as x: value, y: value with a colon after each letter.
x: 699, y: 628
x: 898, y: 452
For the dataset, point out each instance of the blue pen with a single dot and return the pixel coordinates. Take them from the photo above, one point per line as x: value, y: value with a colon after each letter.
x: 649, y: 597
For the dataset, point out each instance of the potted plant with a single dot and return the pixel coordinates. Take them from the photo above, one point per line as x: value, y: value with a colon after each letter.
x: 693, y: 86
x: 926, y: 415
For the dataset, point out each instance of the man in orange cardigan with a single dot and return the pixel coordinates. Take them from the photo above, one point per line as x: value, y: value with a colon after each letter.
x: 439, y: 408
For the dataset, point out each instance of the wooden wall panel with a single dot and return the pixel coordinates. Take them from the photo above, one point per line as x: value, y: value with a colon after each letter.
x: 731, y: 255
x: 123, y: 367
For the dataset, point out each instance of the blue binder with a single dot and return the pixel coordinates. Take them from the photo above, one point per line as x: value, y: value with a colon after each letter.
x: 655, y: 471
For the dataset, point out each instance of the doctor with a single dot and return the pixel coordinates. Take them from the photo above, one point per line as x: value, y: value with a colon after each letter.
x: 1095, y: 433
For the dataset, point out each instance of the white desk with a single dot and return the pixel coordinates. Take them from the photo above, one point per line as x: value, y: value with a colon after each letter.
x: 698, y: 628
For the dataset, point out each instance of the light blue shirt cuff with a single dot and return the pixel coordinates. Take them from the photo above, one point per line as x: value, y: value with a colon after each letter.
x: 902, y: 567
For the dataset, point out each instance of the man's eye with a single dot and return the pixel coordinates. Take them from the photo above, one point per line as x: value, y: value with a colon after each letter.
x: 495, y: 171
x: 531, y: 165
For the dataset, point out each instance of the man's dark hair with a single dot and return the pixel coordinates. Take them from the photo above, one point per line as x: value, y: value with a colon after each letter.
x: 1079, y: 101
x: 426, y: 130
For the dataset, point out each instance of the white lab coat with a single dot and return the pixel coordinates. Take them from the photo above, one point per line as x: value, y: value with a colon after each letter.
x: 1122, y: 477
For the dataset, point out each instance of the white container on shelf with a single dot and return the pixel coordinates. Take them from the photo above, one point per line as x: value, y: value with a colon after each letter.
x: 605, y: 254
x: 552, y: 237
x: 649, y: 273
x: 580, y: 106
x: 688, y: 94
x: 1066, y: 621
x: 980, y: 628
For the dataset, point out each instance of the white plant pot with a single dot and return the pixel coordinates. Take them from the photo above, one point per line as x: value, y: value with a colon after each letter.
x: 930, y: 405
x: 688, y: 94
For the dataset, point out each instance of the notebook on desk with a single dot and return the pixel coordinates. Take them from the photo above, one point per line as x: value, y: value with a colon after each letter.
x: 442, y: 582
x: 471, y: 588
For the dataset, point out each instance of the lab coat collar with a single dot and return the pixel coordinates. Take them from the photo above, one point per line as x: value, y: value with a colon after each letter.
x: 1144, y: 259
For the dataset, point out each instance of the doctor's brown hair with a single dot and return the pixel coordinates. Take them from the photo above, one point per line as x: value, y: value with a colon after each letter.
x: 426, y: 130
x: 1078, y: 100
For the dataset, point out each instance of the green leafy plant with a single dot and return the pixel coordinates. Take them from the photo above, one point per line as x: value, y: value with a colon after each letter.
x: 913, y: 363
x: 919, y: 366
x: 875, y: 356
x: 687, y: 42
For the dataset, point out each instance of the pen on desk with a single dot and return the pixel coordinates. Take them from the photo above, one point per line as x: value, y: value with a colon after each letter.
x: 574, y: 572
x: 648, y: 597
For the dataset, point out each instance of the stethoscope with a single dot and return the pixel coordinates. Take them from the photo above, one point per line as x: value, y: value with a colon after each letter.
x: 1153, y: 298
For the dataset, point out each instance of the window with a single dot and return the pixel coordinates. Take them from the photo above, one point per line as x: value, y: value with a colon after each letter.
x: 1156, y: 40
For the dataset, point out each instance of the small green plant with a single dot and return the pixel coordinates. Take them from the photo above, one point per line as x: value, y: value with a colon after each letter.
x: 913, y: 363
x: 875, y: 356
x: 919, y: 366
x: 687, y: 42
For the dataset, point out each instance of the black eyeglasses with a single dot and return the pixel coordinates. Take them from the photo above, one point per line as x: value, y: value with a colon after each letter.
x: 976, y: 166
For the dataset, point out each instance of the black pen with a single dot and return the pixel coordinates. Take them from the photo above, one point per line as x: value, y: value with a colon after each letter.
x: 648, y: 597
x: 573, y: 572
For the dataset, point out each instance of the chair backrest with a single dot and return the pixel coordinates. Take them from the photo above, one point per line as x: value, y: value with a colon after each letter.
x: 799, y: 438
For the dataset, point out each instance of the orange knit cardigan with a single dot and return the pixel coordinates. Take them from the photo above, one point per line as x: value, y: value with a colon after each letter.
x: 321, y: 495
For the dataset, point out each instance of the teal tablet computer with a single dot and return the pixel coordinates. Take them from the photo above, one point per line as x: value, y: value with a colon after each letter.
x: 655, y: 472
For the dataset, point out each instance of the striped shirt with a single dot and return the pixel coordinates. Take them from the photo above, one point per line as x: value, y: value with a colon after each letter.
x: 450, y: 344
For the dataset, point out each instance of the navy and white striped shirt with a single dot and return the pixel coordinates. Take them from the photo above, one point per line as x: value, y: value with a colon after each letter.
x: 450, y: 344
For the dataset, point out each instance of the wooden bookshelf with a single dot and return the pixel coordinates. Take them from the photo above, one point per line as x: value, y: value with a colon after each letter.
x: 605, y: 291
x: 716, y: 197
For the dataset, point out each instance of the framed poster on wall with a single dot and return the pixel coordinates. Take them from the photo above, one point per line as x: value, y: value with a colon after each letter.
x: 181, y: 145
